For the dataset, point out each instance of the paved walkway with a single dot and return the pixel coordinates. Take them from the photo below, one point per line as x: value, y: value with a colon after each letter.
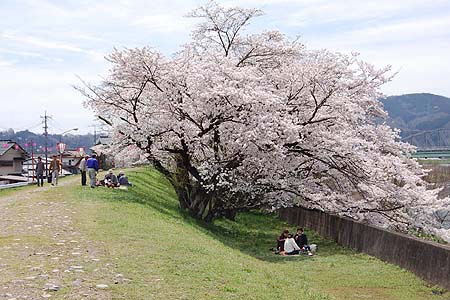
x: 42, y: 252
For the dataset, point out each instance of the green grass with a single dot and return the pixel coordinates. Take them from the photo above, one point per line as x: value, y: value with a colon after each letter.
x: 167, y: 254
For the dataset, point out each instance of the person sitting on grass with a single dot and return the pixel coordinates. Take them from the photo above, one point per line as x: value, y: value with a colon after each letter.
x: 123, y: 179
x: 280, y: 241
x: 302, y: 241
x: 111, y: 180
x: 290, y: 247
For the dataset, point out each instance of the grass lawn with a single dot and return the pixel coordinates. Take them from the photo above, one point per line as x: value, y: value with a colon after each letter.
x: 168, y: 255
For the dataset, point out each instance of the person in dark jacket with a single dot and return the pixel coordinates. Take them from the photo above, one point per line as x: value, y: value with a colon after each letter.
x: 302, y: 241
x: 123, y: 179
x: 111, y: 179
x: 40, y: 168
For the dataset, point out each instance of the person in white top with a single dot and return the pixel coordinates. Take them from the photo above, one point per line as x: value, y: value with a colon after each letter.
x: 290, y: 246
x: 83, y: 169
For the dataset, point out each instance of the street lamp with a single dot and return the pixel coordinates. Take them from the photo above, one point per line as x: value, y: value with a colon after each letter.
x: 67, y: 131
x: 62, y: 147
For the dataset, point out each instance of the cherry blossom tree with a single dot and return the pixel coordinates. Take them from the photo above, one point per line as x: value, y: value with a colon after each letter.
x: 237, y: 121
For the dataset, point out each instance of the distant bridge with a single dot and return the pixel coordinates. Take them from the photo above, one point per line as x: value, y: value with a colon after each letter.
x: 434, y: 144
x: 430, y: 139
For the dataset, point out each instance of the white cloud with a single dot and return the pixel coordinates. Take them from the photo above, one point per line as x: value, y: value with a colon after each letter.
x: 27, y: 93
x: 38, y: 42
x: 324, y: 11
x: 5, y: 63
x: 417, y: 46
x: 403, y: 31
x: 164, y: 23
x: 20, y: 52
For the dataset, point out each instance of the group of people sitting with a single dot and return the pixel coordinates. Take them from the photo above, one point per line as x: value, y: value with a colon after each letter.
x: 113, y: 181
x: 288, y: 244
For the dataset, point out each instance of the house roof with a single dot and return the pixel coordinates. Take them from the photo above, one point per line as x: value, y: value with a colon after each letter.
x: 104, y: 140
x: 5, y: 145
x: 71, y: 153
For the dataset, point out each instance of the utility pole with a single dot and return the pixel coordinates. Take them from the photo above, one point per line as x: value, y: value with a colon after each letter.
x: 45, y: 117
x: 31, y: 144
x: 95, y: 133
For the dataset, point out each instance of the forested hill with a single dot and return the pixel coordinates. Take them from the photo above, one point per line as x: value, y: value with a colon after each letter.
x: 413, y: 113
x: 24, y: 137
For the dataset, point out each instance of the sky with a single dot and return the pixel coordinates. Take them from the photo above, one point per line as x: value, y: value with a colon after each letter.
x: 46, y: 46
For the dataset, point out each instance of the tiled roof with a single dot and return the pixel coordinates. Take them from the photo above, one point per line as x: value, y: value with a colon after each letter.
x: 104, y: 140
x: 5, y: 146
x: 72, y: 152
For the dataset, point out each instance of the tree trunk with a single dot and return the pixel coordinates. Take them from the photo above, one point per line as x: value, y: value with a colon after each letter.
x: 192, y: 196
x: 210, y: 216
x: 230, y: 214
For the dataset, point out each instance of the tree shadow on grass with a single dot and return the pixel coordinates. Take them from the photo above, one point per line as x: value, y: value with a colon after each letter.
x: 253, y: 233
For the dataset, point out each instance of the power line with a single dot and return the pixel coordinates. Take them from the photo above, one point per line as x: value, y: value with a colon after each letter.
x: 28, y: 127
x: 57, y: 125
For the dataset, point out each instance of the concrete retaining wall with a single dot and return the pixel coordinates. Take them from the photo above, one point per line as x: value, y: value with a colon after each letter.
x: 428, y: 260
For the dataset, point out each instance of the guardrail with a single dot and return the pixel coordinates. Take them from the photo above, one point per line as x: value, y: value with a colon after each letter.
x: 11, y: 185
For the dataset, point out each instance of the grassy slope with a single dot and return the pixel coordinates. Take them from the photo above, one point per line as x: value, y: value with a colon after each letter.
x: 169, y: 255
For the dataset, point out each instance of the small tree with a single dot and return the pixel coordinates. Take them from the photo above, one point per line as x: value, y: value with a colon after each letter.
x: 240, y: 121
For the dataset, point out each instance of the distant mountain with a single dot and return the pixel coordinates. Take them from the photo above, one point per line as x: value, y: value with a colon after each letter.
x: 420, y: 117
x: 24, y: 138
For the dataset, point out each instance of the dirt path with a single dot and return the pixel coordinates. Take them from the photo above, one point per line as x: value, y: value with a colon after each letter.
x: 42, y: 252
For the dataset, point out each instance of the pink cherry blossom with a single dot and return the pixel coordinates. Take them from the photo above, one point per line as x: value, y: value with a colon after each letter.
x: 236, y: 121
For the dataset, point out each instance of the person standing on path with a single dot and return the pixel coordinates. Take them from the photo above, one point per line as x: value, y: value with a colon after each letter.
x: 55, y: 168
x: 92, y: 167
x: 40, y: 171
x: 83, y: 169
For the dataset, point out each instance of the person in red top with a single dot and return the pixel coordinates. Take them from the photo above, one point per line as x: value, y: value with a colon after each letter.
x: 280, y: 241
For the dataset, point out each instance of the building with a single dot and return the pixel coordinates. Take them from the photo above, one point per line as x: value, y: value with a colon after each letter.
x: 12, y: 156
x: 104, y: 140
x: 70, y: 160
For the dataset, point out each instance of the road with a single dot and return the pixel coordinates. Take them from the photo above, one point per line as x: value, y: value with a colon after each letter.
x: 43, y: 252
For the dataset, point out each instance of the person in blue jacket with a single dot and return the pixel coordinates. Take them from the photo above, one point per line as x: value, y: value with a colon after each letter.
x: 92, y: 168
